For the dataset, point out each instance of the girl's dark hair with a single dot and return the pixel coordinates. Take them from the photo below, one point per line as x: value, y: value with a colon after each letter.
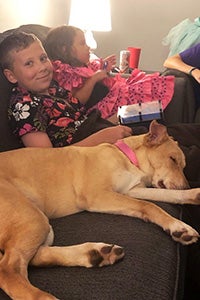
x: 15, y: 41
x: 58, y: 44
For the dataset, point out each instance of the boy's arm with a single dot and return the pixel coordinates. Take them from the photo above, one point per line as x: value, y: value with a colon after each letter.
x: 107, y: 135
x: 36, y: 139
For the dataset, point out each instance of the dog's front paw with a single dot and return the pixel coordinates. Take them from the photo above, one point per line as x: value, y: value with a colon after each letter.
x: 183, y: 233
x: 104, y: 254
x: 197, y: 196
x: 193, y: 196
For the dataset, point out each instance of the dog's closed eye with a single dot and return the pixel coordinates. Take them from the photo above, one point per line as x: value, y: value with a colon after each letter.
x: 173, y: 159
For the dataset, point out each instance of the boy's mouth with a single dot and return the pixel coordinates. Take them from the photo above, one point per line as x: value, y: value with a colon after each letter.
x: 45, y: 76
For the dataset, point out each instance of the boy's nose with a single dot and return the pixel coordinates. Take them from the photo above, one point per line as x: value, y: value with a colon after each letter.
x: 41, y: 66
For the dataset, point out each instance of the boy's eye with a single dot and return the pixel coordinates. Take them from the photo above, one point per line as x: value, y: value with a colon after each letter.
x: 29, y: 63
x: 43, y: 58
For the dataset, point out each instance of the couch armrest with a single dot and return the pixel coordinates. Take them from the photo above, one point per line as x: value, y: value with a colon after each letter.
x: 182, y: 107
x: 197, y: 116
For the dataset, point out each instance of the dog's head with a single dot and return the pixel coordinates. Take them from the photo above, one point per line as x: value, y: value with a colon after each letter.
x: 165, y: 158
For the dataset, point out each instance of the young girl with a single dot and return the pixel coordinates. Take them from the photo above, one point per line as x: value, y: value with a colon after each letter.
x: 42, y: 113
x: 69, y: 53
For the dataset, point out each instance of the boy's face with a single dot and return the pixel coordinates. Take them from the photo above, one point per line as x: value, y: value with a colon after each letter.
x: 80, y: 50
x: 31, y: 68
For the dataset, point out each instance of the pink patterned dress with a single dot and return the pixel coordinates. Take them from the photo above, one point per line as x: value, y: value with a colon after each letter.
x: 122, y: 91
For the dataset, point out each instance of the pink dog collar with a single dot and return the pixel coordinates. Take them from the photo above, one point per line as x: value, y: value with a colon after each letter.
x: 127, y: 151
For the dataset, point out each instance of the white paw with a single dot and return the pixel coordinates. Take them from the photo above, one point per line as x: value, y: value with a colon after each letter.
x: 183, y: 233
x: 196, y: 195
x: 104, y: 254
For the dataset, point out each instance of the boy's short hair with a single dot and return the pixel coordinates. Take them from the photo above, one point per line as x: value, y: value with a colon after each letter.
x: 15, y: 41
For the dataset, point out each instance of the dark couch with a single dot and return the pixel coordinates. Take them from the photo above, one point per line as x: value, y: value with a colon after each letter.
x: 182, y: 107
x: 154, y: 266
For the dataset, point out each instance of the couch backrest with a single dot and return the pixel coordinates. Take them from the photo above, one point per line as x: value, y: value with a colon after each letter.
x: 39, y: 30
x: 7, y: 140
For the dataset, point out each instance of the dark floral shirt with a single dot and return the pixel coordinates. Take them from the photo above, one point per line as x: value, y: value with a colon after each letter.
x: 58, y: 114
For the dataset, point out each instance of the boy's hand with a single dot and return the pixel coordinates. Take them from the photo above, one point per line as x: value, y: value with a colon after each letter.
x: 112, y: 134
x: 106, y: 135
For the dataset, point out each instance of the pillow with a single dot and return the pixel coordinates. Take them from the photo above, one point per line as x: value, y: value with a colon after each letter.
x: 39, y: 30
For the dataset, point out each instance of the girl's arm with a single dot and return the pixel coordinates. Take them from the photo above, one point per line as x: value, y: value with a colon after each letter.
x: 84, y: 93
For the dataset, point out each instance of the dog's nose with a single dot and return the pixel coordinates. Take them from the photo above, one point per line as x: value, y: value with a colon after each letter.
x: 186, y: 186
x: 183, y: 185
x: 161, y: 184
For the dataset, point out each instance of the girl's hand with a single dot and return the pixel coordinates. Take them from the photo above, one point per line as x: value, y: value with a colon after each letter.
x: 109, y: 62
x: 99, y: 75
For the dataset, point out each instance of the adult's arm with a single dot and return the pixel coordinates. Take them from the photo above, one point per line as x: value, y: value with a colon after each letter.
x: 176, y: 62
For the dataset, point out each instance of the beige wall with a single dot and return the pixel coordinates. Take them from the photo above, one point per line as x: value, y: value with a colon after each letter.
x: 144, y: 23
x: 140, y: 23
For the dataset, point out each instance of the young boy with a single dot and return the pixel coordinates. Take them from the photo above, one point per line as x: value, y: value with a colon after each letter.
x: 41, y: 113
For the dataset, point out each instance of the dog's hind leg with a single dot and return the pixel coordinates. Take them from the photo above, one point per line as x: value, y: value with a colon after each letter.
x: 86, y: 255
x: 13, y: 279
x: 23, y: 229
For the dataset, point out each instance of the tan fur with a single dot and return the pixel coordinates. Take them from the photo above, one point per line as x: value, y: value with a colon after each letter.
x: 38, y: 184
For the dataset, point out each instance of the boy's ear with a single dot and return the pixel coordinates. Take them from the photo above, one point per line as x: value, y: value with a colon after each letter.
x: 9, y: 75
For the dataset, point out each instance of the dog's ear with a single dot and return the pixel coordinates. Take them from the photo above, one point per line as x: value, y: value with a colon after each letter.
x: 157, y: 134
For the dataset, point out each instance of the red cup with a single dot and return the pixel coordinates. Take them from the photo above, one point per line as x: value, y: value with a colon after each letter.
x: 134, y: 57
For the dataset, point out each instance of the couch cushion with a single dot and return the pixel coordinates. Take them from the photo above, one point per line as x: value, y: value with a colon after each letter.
x: 152, y: 269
